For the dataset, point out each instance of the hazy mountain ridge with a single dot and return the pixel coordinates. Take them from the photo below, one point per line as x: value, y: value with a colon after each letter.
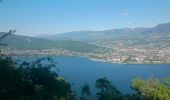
x: 137, y: 45
x: 109, y: 34
x: 134, y: 36
x: 29, y: 43
x: 161, y: 28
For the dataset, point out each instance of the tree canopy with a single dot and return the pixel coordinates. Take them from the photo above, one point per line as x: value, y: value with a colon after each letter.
x: 151, y: 89
x: 38, y: 80
x: 31, y: 81
x: 85, y: 92
x: 106, y: 90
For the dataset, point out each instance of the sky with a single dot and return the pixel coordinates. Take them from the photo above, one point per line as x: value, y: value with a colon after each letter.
x: 35, y: 17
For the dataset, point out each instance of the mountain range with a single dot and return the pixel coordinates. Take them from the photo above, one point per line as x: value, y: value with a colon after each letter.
x: 161, y: 29
x: 20, y: 42
x: 85, y: 41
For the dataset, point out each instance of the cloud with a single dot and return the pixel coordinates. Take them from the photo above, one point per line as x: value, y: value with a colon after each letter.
x: 125, y: 14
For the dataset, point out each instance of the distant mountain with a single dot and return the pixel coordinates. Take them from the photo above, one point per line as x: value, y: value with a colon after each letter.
x: 81, y: 41
x: 110, y: 34
x: 96, y: 35
x: 161, y: 28
x: 26, y: 42
x: 76, y: 35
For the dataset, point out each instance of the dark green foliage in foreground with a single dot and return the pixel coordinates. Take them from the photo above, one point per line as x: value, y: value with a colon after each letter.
x: 150, y: 89
x: 85, y: 94
x: 38, y: 81
x: 106, y: 90
x: 167, y: 81
x: 31, y: 81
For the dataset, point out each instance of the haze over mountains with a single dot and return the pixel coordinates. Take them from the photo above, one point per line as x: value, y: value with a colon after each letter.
x: 127, y: 45
x: 161, y: 29
x: 75, y: 40
x: 20, y: 42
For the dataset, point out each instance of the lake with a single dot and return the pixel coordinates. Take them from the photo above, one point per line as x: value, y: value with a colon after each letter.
x: 78, y: 70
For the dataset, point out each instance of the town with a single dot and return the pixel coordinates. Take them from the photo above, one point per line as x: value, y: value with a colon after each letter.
x: 116, y: 54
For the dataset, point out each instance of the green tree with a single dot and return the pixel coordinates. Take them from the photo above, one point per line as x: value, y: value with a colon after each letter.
x: 167, y: 81
x: 106, y: 90
x: 71, y: 96
x: 31, y: 81
x: 10, y: 79
x: 151, y: 89
x: 85, y: 92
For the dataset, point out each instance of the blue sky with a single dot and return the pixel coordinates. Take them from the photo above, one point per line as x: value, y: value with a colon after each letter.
x: 34, y: 17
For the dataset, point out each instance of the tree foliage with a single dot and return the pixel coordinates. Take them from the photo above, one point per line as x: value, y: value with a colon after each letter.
x: 106, y: 90
x: 38, y: 80
x: 86, y: 93
x: 31, y: 81
x: 151, y: 89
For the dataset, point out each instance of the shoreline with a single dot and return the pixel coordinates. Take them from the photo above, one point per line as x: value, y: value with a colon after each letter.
x: 89, y: 58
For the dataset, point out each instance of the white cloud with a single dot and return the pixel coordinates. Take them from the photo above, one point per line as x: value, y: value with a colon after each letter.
x: 125, y: 14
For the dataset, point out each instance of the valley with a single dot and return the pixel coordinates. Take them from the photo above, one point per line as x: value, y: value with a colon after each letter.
x: 134, y: 46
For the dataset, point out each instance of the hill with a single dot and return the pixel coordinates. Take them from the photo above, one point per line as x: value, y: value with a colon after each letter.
x: 20, y: 42
x: 161, y: 29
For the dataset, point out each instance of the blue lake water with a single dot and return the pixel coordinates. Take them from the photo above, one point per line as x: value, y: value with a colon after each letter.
x: 78, y: 70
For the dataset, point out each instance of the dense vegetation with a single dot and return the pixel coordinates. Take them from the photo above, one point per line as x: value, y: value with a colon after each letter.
x: 152, y: 89
x: 39, y: 80
x: 31, y: 81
